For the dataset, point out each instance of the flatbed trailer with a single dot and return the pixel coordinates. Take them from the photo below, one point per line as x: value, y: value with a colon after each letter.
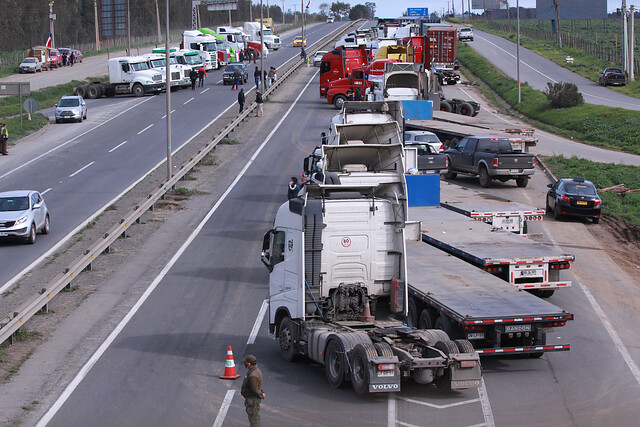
x: 451, y: 128
x: 496, y: 211
x: 522, y: 262
x: 467, y: 303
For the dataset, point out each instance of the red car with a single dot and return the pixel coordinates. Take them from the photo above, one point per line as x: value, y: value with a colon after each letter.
x: 55, y: 59
x: 77, y: 56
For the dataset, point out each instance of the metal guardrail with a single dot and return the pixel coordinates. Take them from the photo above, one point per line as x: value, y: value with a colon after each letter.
x: 11, y: 323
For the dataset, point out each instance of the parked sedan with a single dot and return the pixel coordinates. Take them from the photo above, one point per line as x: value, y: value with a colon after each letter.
x: 574, y: 197
x: 423, y: 136
x: 30, y: 65
x: 229, y: 70
x: 77, y: 56
x: 317, y: 58
x: 71, y: 108
x: 612, y: 76
x: 22, y: 215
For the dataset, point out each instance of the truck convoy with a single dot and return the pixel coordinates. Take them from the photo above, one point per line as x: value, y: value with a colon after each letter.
x: 179, y: 72
x: 206, y: 44
x: 127, y: 75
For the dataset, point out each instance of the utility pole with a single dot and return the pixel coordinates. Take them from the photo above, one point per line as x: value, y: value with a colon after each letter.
x: 95, y: 17
x: 250, y: 10
x: 302, y: 10
x: 168, y: 91
x: 469, y: 9
x: 267, y: 9
x: 230, y: 17
x: 631, y: 42
x: 283, y: 13
x: 52, y: 17
x: 484, y: 10
x: 462, y: 9
x: 625, y: 38
x: 158, y: 21
x: 556, y: 3
x: 518, y: 49
x: 261, y: 47
x: 128, y: 30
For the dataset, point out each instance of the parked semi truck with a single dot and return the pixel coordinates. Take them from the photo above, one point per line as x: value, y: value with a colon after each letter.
x: 495, y: 211
x: 179, y: 72
x: 339, y: 63
x: 206, y: 44
x: 338, y: 288
x: 127, y: 75
x: 270, y: 40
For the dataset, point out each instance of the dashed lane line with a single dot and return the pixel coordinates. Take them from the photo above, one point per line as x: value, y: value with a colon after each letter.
x: 80, y: 170
x: 145, y: 129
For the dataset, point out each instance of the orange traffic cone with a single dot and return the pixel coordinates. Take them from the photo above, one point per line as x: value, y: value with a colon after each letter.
x: 229, y: 367
x: 366, y: 313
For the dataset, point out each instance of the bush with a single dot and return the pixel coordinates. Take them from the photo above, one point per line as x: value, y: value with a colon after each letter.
x: 564, y: 95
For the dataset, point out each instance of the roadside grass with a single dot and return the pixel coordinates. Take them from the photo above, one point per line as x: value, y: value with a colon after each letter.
x: 604, y: 175
x: 608, y: 127
x: 586, y: 65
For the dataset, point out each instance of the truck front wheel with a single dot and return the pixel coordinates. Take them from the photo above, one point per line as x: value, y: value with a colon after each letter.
x: 483, y: 177
x: 338, y: 100
x: 287, y: 340
x: 138, y: 90
x: 334, y: 362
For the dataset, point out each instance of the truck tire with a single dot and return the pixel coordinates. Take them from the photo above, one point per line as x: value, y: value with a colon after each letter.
x: 450, y: 175
x: 359, y: 373
x: 81, y: 91
x: 447, y: 347
x: 522, y: 181
x: 465, y: 109
x: 137, y: 90
x: 445, y: 106
x: 383, y: 349
x: 483, y: 177
x: 464, y: 346
x: 412, y: 317
x: 425, y: 322
x: 93, y: 92
x: 338, y: 100
x: 109, y: 92
x: 287, y: 339
x: 335, y: 363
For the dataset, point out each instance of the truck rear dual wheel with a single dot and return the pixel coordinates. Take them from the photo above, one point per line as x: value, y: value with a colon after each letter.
x: 94, y: 91
x: 446, y: 107
x: 81, y: 91
x: 465, y: 109
x: 447, y: 347
x: 425, y: 322
x: 359, y: 374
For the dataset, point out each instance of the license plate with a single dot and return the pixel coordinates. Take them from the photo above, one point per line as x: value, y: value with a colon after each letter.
x: 515, y: 170
x: 528, y: 272
x: 581, y: 202
x: 475, y: 335
x: 517, y: 328
x: 389, y: 373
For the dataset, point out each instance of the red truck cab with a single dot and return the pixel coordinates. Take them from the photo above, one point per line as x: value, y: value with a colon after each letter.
x: 360, y: 77
x: 339, y: 63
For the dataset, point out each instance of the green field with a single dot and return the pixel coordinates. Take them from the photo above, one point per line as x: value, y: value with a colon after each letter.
x: 604, y: 175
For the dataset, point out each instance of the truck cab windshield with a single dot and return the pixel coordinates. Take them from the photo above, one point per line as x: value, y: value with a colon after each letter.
x: 192, y: 59
x: 158, y: 63
x: 139, y: 66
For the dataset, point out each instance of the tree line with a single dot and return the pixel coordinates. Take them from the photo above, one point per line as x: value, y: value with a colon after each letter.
x: 25, y: 23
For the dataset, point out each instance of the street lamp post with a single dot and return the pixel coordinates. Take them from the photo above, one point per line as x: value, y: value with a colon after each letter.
x: 261, y: 47
x: 168, y: 91
x: 518, y: 49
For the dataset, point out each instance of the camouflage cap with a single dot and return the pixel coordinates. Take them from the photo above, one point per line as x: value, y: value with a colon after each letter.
x: 251, y: 359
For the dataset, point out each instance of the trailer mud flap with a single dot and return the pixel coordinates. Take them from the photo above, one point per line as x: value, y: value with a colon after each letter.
x: 384, y: 374
x: 465, y: 371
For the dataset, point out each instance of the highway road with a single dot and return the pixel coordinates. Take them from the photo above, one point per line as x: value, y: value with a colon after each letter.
x: 82, y: 168
x: 163, y: 367
x: 537, y: 71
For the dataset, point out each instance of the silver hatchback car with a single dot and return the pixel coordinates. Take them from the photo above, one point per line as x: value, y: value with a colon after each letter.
x: 72, y: 108
x: 23, y: 213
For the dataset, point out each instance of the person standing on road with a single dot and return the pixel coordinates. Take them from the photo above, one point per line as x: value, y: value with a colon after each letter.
x: 358, y: 95
x: 193, y: 76
x: 72, y: 58
x: 201, y: 75
x: 256, y: 76
x: 272, y: 76
x: 259, y: 103
x: 4, y: 137
x: 237, y: 75
x: 252, y: 390
x: 241, y: 100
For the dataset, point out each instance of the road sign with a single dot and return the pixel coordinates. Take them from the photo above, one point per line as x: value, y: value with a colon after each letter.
x: 15, y: 88
x: 30, y: 105
x: 418, y: 11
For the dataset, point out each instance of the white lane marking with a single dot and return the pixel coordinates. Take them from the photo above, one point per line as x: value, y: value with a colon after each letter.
x: 433, y: 405
x: 71, y: 140
x: 402, y: 423
x: 205, y: 90
x: 188, y: 101
x: 156, y: 281
x: 117, y: 146
x: 392, y: 410
x: 81, y: 169
x: 486, y: 405
x: 258, y: 322
x: 222, y: 413
x: 151, y: 125
x: 46, y: 191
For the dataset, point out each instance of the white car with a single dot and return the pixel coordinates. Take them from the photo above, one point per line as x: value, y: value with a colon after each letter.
x: 71, y: 108
x: 417, y: 136
x: 30, y: 65
x: 23, y: 213
x: 317, y: 58
x: 465, y: 34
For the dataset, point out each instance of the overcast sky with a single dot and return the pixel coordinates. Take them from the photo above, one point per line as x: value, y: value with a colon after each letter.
x: 394, y: 8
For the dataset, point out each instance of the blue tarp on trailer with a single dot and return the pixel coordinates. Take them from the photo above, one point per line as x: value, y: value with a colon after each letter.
x: 417, y: 110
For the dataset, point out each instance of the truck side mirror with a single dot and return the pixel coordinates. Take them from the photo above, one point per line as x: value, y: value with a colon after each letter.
x: 550, y: 185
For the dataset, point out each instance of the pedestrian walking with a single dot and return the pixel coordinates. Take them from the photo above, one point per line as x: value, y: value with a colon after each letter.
x: 4, y: 137
x: 193, y: 76
x: 264, y: 77
x: 256, y: 76
x: 293, y: 189
x: 272, y: 76
x: 259, y: 103
x: 303, y: 54
x: 237, y: 75
x: 358, y: 95
x: 201, y: 76
x: 252, y: 390
x: 72, y: 58
x: 241, y: 100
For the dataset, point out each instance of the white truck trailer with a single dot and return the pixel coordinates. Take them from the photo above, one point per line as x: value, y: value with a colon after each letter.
x: 338, y: 287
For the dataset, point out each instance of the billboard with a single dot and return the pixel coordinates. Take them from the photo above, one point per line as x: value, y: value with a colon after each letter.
x: 489, y: 4
x: 572, y: 9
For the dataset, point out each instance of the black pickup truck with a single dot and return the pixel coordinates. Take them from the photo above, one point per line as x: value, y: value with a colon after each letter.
x: 429, y: 160
x: 489, y: 158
